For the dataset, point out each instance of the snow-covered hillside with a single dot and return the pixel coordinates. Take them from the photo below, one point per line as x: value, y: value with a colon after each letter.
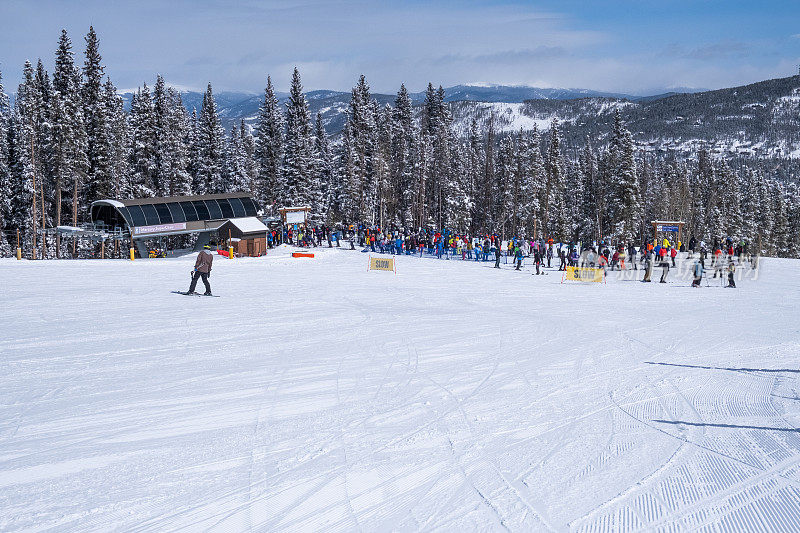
x: 314, y: 395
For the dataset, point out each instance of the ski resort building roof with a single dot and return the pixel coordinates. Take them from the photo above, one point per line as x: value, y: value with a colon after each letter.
x: 150, y: 217
x: 244, y: 228
x: 176, y: 215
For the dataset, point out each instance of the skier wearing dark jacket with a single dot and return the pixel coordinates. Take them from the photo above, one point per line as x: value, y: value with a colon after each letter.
x: 202, y: 269
x: 497, y: 252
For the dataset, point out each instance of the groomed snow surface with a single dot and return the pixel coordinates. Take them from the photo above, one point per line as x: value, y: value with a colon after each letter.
x: 316, y: 396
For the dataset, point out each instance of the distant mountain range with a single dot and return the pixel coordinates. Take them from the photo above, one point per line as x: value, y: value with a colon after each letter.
x: 759, y: 120
x: 234, y: 106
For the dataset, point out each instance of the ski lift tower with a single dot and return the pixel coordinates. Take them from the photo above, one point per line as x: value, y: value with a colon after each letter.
x: 667, y: 226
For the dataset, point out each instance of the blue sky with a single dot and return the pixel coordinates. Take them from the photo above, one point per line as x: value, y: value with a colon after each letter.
x: 639, y: 47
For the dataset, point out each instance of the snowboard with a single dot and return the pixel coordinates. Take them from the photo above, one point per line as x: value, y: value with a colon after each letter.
x: 197, y: 294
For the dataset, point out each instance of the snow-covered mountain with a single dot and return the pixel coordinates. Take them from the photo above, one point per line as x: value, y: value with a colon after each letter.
x: 760, y: 119
x: 234, y: 105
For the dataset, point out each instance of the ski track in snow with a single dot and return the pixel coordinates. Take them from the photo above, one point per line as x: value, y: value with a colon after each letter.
x: 314, y: 395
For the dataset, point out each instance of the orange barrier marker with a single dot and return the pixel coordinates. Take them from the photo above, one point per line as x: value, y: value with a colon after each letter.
x: 301, y: 254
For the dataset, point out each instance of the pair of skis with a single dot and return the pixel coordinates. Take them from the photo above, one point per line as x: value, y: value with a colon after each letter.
x: 194, y: 294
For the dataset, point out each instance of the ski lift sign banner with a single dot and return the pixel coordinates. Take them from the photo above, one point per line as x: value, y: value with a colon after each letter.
x: 594, y: 275
x: 382, y: 263
x: 141, y: 230
x: 666, y: 227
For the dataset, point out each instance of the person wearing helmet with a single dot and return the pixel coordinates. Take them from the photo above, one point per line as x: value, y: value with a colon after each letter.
x: 202, y: 270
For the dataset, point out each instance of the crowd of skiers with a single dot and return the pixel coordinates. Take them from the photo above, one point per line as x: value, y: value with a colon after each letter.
x: 542, y: 252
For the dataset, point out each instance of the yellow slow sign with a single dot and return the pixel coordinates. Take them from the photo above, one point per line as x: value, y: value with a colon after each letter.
x: 381, y: 263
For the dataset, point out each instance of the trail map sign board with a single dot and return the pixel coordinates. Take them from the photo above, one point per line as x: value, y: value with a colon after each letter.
x: 294, y: 215
x: 594, y: 275
x: 667, y: 226
x: 382, y: 263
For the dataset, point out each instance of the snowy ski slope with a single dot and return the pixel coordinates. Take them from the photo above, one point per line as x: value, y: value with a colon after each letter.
x: 317, y: 396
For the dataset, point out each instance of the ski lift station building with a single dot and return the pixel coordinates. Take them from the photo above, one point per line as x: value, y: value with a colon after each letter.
x: 147, y: 218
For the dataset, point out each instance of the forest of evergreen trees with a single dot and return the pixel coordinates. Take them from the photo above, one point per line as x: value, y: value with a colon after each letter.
x: 68, y: 141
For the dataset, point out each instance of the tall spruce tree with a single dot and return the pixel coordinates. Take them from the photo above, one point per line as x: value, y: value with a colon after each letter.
x: 555, y: 216
x: 99, y: 181
x: 298, y: 159
x: 402, y: 167
x: 625, y: 185
x: 24, y: 205
x: 269, y: 147
x: 69, y: 159
x: 5, y: 173
x: 324, y: 171
x: 211, y: 147
x: 144, y: 164
x: 117, y: 125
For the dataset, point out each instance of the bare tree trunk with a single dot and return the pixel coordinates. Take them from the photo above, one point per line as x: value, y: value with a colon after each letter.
x: 58, y: 215
x: 75, y: 214
x: 33, y: 179
x: 44, y: 222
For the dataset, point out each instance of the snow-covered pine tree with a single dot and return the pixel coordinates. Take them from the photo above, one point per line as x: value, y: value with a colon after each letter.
x: 69, y: 143
x: 175, y: 156
x: 555, y: 219
x: 730, y: 199
x: 573, y: 200
x: 117, y: 124
x: 385, y: 200
x: 765, y: 214
x: 702, y: 180
x: 247, y: 145
x: 793, y: 214
x: 324, y: 171
x: 233, y: 175
x: 474, y: 175
x: 626, y: 186
x: 422, y: 157
x: 194, y: 149
x: 779, y: 236
x: 361, y: 187
x: 590, y: 208
x: 506, y: 202
x: 24, y: 205
x: 487, y: 188
x: 402, y: 148
x: 144, y: 164
x: 347, y: 177
x: 442, y: 181
x: 98, y: 146
x: 680, y: 192
x: 298, y: 158
x: 211, y: 147
x: 750, y: 206
x: 458, y: 205
x: 269, y: 147
x: 161, y: 113
x: 5, y: 174
x: 44, y: 157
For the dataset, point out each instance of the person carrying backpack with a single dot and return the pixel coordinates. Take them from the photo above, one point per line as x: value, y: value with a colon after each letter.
x: 518, y: 257
x: 697, y: 270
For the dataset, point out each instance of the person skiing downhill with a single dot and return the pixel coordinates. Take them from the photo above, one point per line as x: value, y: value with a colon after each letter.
x: 202, y: 270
